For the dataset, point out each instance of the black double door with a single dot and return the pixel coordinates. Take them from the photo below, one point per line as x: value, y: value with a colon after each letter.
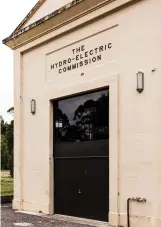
x: 81, y: 160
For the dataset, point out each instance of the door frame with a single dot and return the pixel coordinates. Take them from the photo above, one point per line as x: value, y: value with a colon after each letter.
x: 111, y: 81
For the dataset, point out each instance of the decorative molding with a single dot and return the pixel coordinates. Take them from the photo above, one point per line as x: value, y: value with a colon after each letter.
x: 46, y: 25
x: 17, y: 32
x: 29, y: 15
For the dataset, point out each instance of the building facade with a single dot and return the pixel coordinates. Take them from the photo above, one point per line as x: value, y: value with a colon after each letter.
x: 86, y: 142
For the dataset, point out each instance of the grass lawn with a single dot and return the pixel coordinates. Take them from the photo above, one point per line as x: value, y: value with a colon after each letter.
x: 6, y: 185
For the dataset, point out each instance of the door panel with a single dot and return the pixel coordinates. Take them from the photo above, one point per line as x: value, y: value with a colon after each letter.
x: 82, y: 187
x: 81, y: 156
x: 91, y: 148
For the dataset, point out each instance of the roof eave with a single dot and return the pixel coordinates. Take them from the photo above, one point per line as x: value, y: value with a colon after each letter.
x: 9, y: 41
x: 29, y: 15
x: 61, y: 17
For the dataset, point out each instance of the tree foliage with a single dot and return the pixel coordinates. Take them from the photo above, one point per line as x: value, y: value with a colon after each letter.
x: 7, y: 146
x: 93, y: 116
x: 90, y: 121
x: 4, y: 154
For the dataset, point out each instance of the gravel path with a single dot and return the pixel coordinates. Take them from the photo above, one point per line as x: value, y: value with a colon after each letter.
x: 12, y: 219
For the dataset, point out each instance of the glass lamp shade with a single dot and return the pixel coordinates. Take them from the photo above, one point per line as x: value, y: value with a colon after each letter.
x: 140, y: 82
x: 33, y: 106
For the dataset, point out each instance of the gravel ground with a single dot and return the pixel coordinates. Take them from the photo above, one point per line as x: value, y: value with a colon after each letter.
x: 10, y: 219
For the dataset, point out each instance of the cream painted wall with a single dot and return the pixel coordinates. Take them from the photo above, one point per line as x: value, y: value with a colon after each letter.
x: 64, y: 85
x: 135, y: 125
x: 48, y: 7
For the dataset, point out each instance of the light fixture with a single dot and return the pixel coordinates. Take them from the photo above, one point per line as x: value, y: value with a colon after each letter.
x: 140, y: 81
x: 33, y: 106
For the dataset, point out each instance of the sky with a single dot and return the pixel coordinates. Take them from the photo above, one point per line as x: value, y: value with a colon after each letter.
x: 12, y: 12
x: 69, y: 106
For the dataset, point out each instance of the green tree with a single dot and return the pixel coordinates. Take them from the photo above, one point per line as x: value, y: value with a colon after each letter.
x: 4, y: 153
x: 3, y: 127
x: 7, y: 143
x: 9, y: 138
x: 85, y: 117
x: 63, y: 119
x: 92, y: 118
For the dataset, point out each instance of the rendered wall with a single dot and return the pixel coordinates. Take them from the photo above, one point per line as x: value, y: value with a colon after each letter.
x: 135, y: 125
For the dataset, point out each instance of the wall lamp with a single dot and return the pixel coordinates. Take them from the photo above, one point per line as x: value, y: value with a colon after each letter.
x: 33, y: 106
x: 140, y: 82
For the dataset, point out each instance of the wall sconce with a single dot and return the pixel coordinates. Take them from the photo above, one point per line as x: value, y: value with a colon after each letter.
x: 140, y: 82
x: 33, y: 106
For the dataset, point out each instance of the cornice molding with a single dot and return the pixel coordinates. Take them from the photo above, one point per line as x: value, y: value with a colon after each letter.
x: 19, y: 30
x: 42, y: 29
x: 29, y: 15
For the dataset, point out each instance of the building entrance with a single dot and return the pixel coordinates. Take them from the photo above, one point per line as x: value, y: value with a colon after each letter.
x: 81, y: 156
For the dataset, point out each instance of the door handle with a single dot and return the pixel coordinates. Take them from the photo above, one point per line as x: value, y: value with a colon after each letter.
x: 79, y: 191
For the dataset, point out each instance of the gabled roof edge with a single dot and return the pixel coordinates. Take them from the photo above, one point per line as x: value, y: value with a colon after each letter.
x: 29, y: 15
x: 42, y: 20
